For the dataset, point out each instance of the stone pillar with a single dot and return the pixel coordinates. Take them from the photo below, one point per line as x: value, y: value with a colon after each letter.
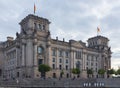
x: 71, y: 62
x: 35, y: 61
x: 83, y: 61
x: 85, y: 57
x: 35, y: 55
x: 57, y: 59
x: 23, y: 55
x: 49, y: 56
x: 74, y: 57
x: 49, y: 60
x: 84, y: 70
x: 29, y: 53
x: 63, y: 59
x: 29, y: 58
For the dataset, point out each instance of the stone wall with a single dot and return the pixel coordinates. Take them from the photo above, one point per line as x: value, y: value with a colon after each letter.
x: 80, y: 83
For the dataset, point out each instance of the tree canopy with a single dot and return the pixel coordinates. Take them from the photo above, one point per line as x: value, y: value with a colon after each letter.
x: 43, y: 68
x: 89, y: 71
x: 76, y: 71
x: 111, y: 71
x: 101, y: 71
x: 62, y: 72
x: 118, y: 71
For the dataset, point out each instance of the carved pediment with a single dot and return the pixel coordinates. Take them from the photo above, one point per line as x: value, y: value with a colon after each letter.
x: 77, y: 44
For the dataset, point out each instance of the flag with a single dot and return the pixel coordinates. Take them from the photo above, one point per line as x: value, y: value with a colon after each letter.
x: 34, y: 8
x: 98, y: 29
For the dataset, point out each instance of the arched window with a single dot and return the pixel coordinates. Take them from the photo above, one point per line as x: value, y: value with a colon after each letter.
x: 40, y: 50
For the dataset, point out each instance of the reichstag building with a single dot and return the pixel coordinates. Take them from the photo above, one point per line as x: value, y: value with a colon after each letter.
x: 20, y: 57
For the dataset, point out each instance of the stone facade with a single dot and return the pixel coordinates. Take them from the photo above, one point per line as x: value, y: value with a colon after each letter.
x: 34, y: 46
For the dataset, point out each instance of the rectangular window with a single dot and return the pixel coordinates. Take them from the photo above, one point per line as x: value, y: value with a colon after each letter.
x: 76, y: 54
x: 96, y: 64
x: 88, y: 57
x: 96, y: 69
x: 53, y: 66
x: 66, y: 60
x: 86, y: 68
x: 66, y: 53
x: 60, y: 67
x: 53, y: 59
x: 60, y: 60
x: 40, y: 61
x: 80, y: 55
x: 91, y: 64
x: 87, y: 63
x: 60, y: 53
x: 54, y: 52
x: 66, y: 67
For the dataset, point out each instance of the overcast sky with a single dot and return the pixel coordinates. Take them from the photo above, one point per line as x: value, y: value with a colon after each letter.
x: 70, y: 19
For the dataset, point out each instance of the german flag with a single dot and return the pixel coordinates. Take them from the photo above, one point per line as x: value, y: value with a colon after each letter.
x: 98, y: 29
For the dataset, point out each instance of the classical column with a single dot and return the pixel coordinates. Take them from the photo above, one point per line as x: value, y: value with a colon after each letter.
x: 83, y: 61
x: 71, y: 62
x: 35, y: 61
x: 57, y: 59
x: 71, y: 59
x: 35, y: 55
x: 84, y: 70
x: 63, y: 59
x: 29, y: 53
x: 23, y: 55
x: 29, y: 58
x: 48, y: 55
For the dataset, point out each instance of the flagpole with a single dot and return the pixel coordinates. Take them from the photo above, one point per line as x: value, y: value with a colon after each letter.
x: 34, y: 8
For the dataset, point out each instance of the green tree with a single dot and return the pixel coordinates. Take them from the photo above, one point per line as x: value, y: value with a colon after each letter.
x: 76, y: 71
x: 111, y: 71
x: 118, y: 71
x: 89, y: 72
x: 101, y: 72
x: 61, y: 73
x: 43, y: 69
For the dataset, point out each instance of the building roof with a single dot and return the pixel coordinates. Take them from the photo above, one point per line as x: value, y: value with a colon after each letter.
x: 31, y: 16
x: 98, y: 37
